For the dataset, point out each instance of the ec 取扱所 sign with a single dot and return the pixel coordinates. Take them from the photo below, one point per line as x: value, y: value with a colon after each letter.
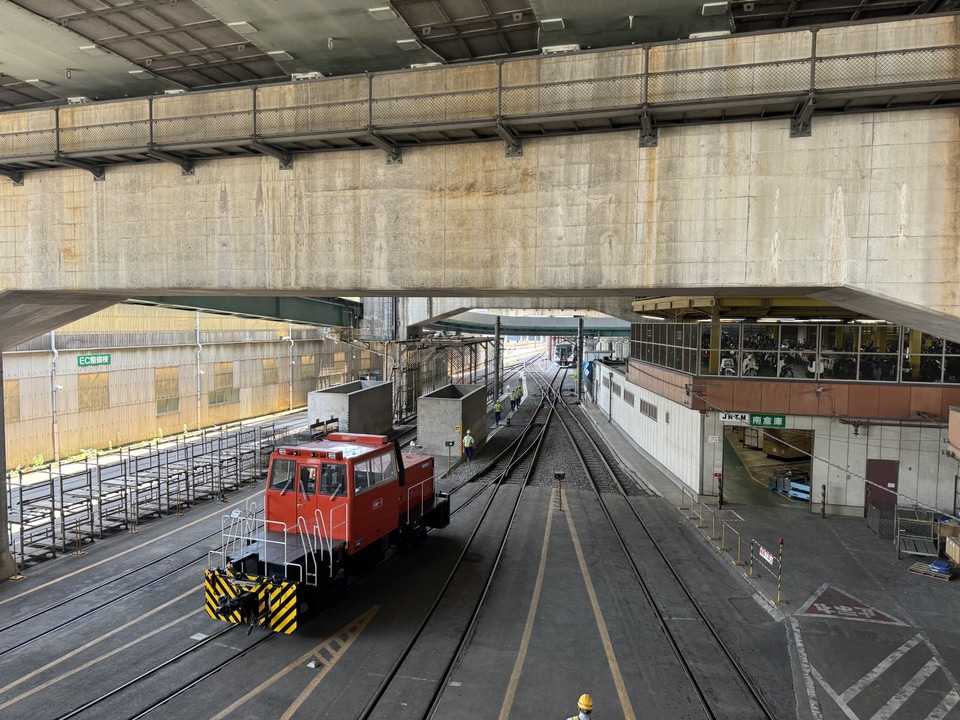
x: 93, y: 360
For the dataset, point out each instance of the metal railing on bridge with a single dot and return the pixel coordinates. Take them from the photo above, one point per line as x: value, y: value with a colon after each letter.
x: 661, y: 85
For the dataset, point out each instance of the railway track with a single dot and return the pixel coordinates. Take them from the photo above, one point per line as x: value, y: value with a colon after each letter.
x: 717, y: 678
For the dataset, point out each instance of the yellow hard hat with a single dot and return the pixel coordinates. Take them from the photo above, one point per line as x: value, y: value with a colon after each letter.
x: 585, y: 702
x: 468, y: 432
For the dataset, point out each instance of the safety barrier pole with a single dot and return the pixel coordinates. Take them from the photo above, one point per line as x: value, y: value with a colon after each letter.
x: 780, y: 572
x: 700, y: 525
x: 683, y: 497
x: 751, y: 574
x: 713, y: 526
x: 179, y: 508
x: 723, y: 538
x: 823, y: 501
x: 559, y: 478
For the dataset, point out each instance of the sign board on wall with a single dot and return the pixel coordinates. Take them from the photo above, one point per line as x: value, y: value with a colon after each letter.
x: 92, y: 360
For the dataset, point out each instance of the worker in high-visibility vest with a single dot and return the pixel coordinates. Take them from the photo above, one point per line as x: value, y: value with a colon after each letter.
x: 496, y: 411
x: 468, y: 445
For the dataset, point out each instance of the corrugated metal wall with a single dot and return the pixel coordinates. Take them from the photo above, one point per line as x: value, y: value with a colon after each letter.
x: 138, y: 340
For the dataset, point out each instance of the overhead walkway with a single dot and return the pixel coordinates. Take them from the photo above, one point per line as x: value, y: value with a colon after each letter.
x: 476, y: 323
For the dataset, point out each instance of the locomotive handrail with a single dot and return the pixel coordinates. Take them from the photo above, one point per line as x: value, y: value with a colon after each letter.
x: 309, y: 558
x: 423, y: 495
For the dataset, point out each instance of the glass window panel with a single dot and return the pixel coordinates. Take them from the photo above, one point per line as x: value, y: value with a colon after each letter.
x: 879, y: 338
x: 759, y: 336
x: 931, y: 369
x: 730, y: 337
x: 877, y: 368
x: 333, y: 479
x: 951, y: 368
x: 838, y: 338
x: 930, y: 345
x: 282, y: 473
x: 676, y: 334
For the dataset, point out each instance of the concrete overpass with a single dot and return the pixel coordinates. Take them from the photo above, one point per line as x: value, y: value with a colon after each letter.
x: 860, y: 213
x: 855, y: 207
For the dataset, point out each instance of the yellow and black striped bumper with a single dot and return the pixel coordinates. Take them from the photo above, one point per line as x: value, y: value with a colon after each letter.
x: 241, y: 599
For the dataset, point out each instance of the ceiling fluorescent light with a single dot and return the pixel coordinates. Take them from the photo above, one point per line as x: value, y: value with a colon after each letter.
x: 382, y: 13
x: 552, y: 24
x: 39, y: 83
x: 411, y: 44
x: 140, y: 74
x: 551, y: 49
x: 93, y: 50
x: 708, y: 34
x: 280, y: 55
x: 714, y: 8
x: 244, y: 28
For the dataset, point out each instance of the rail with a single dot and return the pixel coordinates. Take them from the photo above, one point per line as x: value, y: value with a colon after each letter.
x: 383, y: 109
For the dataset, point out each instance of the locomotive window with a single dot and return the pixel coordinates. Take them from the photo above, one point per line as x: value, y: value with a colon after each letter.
x: 374, y: 471
x: 333, y: 479
x: 361, y: 476
x: 308, y: 480
x: 282, y: 473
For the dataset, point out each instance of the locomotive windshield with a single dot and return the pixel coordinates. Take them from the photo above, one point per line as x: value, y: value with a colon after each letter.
x: 282, y: 474
x: 333, y: 479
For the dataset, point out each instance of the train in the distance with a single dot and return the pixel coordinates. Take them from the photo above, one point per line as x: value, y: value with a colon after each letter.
x: 563, y: 354
x: 331, y: 507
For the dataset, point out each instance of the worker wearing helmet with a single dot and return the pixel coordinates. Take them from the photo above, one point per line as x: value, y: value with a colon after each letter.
x: 468, y: 445
x: 496, y: 411
x: 585, y: 706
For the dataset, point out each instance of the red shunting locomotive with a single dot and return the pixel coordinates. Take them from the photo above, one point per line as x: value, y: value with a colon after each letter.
x: 330, y: 508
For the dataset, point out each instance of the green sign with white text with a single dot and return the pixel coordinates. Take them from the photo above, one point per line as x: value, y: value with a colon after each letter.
x: 768, y: 421
x: 92, y: 360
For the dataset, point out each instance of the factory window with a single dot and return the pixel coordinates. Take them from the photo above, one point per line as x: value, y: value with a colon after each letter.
x: 271, y: 375
x: 648, y: 409
x: 166, y: 386
x: 94, y: 391
x: 11, y: 401
x: 223, y: 391
x: 307, y: 366
x: 628, y: 397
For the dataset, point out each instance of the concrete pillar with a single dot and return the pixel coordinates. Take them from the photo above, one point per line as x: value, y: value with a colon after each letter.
x: 496, y: 360
x: 8, y: 568
x: 579, y: 368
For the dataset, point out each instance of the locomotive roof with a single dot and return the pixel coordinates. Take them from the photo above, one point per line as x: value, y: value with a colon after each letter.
x: 351, y: 449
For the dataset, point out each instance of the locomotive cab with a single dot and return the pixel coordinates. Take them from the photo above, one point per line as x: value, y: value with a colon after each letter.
x: 330, y: 507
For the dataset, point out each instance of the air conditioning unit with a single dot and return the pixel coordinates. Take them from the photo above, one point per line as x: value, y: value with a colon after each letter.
x: 78, y: 100
x: 551, y: 49
x: 300, y: 77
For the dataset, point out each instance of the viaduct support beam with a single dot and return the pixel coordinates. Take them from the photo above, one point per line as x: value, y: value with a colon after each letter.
x: 15, y: 175
x: 286, y: 160
x: 99, y: 174
x: 514, y: 147
x: 394, y: 156
x: 186, y: 166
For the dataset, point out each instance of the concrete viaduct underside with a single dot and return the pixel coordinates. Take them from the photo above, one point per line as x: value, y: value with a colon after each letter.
x: 811, y: 164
